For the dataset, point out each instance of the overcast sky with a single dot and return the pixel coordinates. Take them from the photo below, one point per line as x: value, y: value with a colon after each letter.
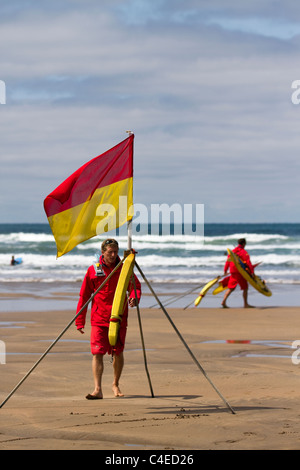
x: 205, y: 85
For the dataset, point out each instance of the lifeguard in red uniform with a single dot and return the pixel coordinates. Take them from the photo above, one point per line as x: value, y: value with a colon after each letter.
x: 235, y: 277
x: 101, y: 312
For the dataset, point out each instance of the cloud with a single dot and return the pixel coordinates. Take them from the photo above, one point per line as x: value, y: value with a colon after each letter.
x: 205, y: 88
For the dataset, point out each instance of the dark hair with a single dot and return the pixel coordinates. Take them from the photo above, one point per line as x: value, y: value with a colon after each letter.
x: 108, y: 242
x: 242, y: 241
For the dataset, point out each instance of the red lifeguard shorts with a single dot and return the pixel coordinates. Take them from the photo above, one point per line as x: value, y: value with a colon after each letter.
x: 100, y: 343
x: 237, y: 279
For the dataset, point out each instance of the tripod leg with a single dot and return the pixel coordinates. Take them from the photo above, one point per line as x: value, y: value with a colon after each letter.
x: 142, y: 337
x: 183, y: 341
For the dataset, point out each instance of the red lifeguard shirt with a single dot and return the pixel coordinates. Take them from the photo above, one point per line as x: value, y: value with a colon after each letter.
x: 103, y: 300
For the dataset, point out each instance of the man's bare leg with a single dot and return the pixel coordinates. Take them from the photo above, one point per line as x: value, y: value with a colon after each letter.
x: 97, y: 367
x: 245, y: 297
x: 118, y: 364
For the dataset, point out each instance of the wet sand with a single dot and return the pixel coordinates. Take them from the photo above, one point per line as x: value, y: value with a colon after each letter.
x: 247, y: 354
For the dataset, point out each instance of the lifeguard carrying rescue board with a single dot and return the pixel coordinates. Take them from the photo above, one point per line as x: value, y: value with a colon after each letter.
x: 255, y: 281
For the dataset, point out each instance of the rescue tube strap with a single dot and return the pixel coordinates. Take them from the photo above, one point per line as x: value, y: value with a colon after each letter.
x: 115, y: 319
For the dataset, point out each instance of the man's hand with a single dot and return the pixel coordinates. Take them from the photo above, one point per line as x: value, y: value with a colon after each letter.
x: 132, y: 302
x: 81, y: 331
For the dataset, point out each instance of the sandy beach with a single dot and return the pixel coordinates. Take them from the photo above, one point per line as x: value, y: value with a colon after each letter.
x: 247, y: 355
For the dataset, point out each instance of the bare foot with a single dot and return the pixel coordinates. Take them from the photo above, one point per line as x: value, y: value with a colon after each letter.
x: 91, y: 396
x: 117, y: 391
x: 96, y: 395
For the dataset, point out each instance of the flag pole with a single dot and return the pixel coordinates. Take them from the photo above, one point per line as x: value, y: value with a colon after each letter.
x: 129, y: 223
x: 129, y: 248
x: 129, y: 235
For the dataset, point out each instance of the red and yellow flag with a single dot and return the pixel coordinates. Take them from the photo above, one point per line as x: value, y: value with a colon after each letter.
x: 95, y: 199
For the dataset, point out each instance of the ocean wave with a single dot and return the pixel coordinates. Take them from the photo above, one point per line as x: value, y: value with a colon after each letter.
x: 147, y: 239
x: 250, y: 237
x: 26, y: 238
x: 45, y: 261
x: 164, y: 258
x: 40, y: 261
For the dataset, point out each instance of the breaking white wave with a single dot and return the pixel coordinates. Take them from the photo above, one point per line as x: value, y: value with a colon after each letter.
x: 165, y: 258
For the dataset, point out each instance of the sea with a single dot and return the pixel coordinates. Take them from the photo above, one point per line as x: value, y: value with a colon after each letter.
x: 176, y: 265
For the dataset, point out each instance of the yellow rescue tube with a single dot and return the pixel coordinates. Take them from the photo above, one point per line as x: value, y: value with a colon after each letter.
x: 120, y: 299
x: 205, y: 290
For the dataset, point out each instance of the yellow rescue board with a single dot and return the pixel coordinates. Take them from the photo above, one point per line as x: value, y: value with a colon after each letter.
x: 254, y: 280
x: 219, y: 289
x: 205, y: 290
x: 120, y: 299
x: 223, y: 285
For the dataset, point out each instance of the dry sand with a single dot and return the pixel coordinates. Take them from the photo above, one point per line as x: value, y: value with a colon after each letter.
x: 257, y: 378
